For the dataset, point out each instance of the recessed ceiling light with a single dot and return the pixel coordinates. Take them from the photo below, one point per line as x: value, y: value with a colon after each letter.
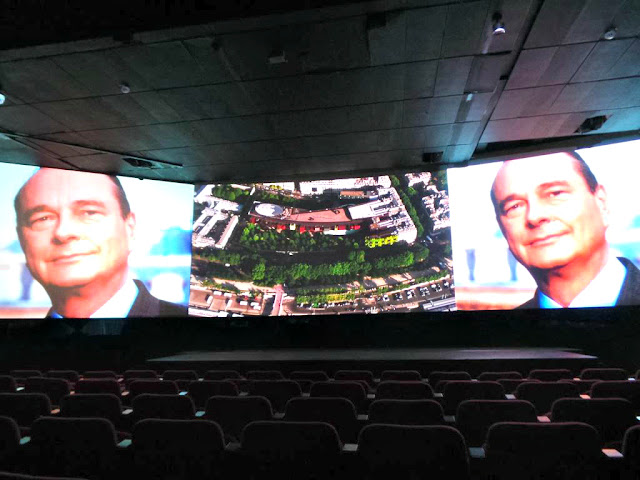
x: 125, y: 88
x: 610, y: 34
x: 2, y: 98
x: 498, y: 26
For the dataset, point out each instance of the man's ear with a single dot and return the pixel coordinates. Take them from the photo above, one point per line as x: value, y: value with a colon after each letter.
x: 601, y: 200
x: 130, y: 225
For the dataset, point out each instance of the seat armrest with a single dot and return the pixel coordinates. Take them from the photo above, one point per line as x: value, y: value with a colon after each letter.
x: 350, y: 447
x: 278, y: 416
x: 363, y: 418
x: 543, y: 419
x: 232, y: 447
x: 612, y: 453
x: 126, y: 443
x: 450, y: 418
x: 510, y: 396
x: 585, y: 396
x: 182, y: 393
x: 55, y: 411
x: 438, y: 395
x: 371, y: 396
x: 127, y: 411
x: 25, y: 440
x: 19, y: 389
x: 200, y: 413
x: 476, y: 452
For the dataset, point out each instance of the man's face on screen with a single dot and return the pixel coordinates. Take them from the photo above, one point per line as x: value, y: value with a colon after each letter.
x: 72, y: 230
x: 548, y: 213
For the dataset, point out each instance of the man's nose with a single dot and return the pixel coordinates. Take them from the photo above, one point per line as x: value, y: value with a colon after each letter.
x: 66, y: 228
x: 537, y: 213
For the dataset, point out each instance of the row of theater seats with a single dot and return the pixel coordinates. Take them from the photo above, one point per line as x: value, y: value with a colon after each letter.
x: 196, y: 449
x: 610, y: 418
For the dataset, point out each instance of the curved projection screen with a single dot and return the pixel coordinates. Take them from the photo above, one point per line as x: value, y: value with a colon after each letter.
x: 552, y: 235
x: 91, y: 245
x: 351, y: 245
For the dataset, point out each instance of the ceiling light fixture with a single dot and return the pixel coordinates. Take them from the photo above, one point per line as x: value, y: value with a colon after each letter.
x: 2, y: 98
x: 498, y: 27
x: 125, y: 88
x: 591, y: 124
x: 138, y: 162
x: 611, y: 33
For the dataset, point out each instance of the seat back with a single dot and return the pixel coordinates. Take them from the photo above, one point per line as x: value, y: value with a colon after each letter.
x: 542, y: 450
x: 618, y: 389
x: 24, y: 408
x: 200, y: 392
x: 222, y: 375
x: 406, y: 412
x: 234, y: 413
x: 292, y: 449
x: 313, y: 375
x: 69, y: 375
x: 456, y: 391
x: 54, y: 388
x: 604, y: 374
x: 86, y: 405
x: 631, y: 448
x: 436, y: 377
x: 7, y: 384
x: 474, y: 417
x: 98, y: 385
x: 402, y: 451
x: 9, y: 442
x: 352, y: 391
x: 138, y: 387
x: 136, y: 374
x: 174, y: 407
x: 337, y: 412
x: 510, y: 384
x: 21, y: 375
x: 403, y: 390
x: 550, y: 374
x: 73, y: 446
x: 401, y: 376
x: 180, y: 375
x: 495, y: 376
x: 264, y: 375
x: 356, y: 375
x: 543, y: 394
x: 100, y: 374
x: 611, y: 417
x: 279, y: 392
x: 169, y: 449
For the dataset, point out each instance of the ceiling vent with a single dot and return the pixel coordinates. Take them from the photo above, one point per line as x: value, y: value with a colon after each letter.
x: 592, y: 124
x: 138, y: 162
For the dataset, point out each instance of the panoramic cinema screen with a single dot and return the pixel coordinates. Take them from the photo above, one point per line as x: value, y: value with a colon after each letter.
x: 323, y: 247
x: 86, y: 245
x: 552, y: 231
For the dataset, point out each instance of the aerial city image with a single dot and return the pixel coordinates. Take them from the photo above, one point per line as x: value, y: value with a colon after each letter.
x: 323, y: 247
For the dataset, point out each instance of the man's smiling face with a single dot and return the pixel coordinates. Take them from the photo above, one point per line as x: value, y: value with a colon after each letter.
x: 548, y: 213
x: 72, y: 229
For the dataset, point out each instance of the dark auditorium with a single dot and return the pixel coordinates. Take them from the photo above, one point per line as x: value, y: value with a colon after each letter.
x: 330, y: 239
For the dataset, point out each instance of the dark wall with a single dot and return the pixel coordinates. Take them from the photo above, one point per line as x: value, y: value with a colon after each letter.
x: 612, y: 334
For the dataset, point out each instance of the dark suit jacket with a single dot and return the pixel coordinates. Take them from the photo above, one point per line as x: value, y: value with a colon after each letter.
x: 629, y: 293
x: 145, y: 305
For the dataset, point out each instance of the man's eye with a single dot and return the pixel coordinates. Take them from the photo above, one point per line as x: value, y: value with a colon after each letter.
x: 512, y: 208
x: 90, y: 213
x: 556, y: 193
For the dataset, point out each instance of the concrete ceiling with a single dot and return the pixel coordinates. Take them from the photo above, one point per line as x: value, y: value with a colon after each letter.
x: 365, y: 87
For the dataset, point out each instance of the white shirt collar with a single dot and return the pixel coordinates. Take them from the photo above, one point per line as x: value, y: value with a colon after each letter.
x: 120, y: 304
x: 603, y: 291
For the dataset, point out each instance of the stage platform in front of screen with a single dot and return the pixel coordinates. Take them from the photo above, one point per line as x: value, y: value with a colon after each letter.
x: 473, y: 360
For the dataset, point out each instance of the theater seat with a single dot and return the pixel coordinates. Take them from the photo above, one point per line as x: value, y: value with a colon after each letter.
x: 7, y: 384
x: 611, y: 417
x: 54, y: 388
x: 21, y: 375
x: 291, y: 450
x: 24, y: 408
x: 200, y: 392
x: 495, y: 376
x: 475, y: 417
x: 70, y: 376
x: 9, y: 443
x: 234, y: 413
x: 543, y: 394
x: 352, y: 391
x: 178, y: 449
x: 222, y: 375
x: 456, y: 391
x: 542, y: 450
x: 100, y: 374
x: 550, y: 374
x: 73, y: 447
x: 140, y: 386
x: 438, y: 376
x: 88, y: 405
x: 279, y: 392
x: 403, y: 390
x: 631, y: 450
x: 407, y: 452
x: 406, y: 412
x: 619, y: 389
x: 99, y: 385
x: 401, y: 376
x: 174, y: 407
x: 264, y: 375
x: 356, y: 375
x: 604, y: 374
x: 337, y: 412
